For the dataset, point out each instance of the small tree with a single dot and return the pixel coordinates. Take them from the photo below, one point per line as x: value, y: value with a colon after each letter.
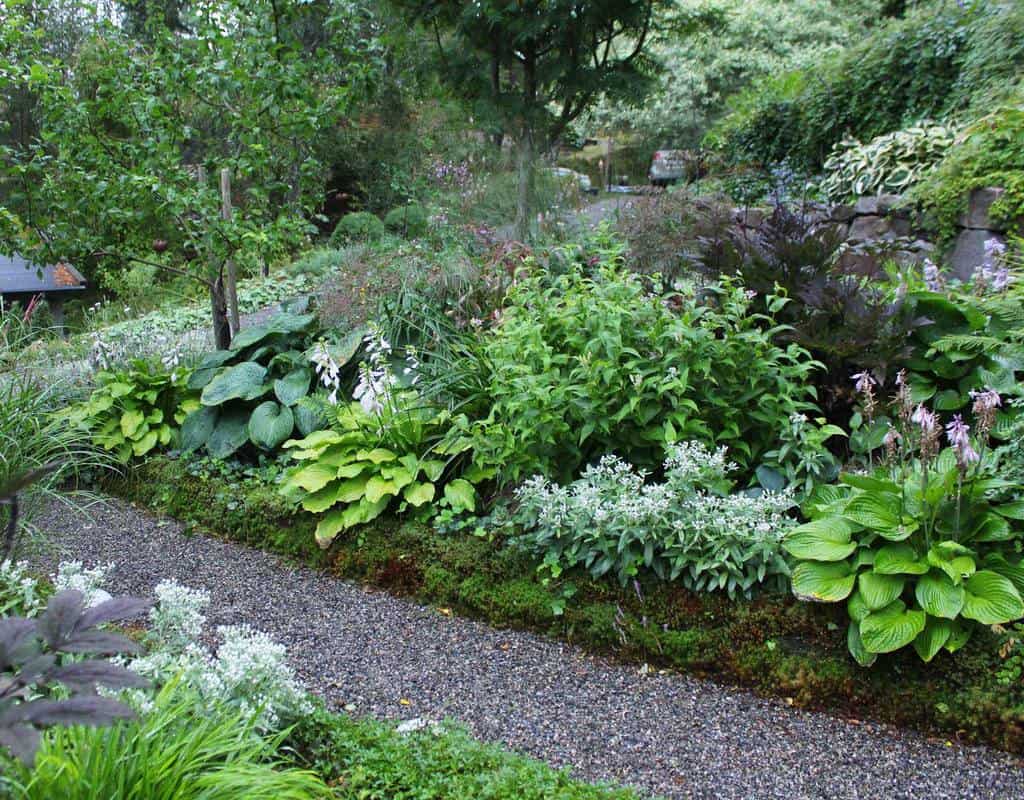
x: 534, y: 66
x: 128, y: 127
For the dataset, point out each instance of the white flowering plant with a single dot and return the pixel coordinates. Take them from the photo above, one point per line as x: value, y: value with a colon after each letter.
x: 924, y: 546
x: 688, y: 528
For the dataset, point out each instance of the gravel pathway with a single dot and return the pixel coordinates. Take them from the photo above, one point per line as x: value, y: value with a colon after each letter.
x: 666, y: 734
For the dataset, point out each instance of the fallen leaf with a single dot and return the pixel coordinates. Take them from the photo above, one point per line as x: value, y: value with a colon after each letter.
x: 405, y: 702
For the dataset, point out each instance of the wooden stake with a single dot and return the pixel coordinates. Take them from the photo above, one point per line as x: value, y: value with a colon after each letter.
x: 231, y: 281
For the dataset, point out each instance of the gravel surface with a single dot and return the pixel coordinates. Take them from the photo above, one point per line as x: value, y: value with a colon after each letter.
x: 665, y: 734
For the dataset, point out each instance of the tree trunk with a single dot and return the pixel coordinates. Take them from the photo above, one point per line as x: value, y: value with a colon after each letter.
x: 219, y: 307
x: 526, y: 175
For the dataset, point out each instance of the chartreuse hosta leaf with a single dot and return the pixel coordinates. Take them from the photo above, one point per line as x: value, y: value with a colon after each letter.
x: 879, y: 512
x: 891, y: 628
x: 821, y: 540
x: 878, y: 591
x: 933, y: 638
x: 856, y: 646
x: 825, y: 582
x: 939, y: 596
x: 953, y: 559
x: 990, y: 599
x: 899, y: 559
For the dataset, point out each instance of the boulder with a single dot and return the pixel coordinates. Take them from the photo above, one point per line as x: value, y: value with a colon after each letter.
x: 870, y: 228
x: 979, y: 204
x: 969, y: 251
x: 893, y: 205
x: 843, y: 213
x: 866, y: 206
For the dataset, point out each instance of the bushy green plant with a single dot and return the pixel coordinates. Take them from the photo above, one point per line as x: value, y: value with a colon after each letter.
x: 362, y: 226
x: 688, y: 528
x: 251, y: 392
x: 892, y: 163
x: 922, y: 548
x: 409, y: 221
x: 587, y: 364
x: 316, y: 263
x: 135, y: 409
x: 171, y: 751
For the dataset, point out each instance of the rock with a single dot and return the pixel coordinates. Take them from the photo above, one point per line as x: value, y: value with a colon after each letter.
x: 893, y: 205
x: 843, y: 213
x: 969, y: 251
x: 921, y: 246
x: 869, y: 228
x: 866, y: 206
x: 855, y: 262
x: 978, y: 206
x: 752, y: 217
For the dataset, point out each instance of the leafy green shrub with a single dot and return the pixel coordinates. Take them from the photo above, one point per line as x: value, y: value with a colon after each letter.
x: 409, y: 221
x: 30, y: 668
x: 688, y: 529
x: 316, y: 263
x: 170, y: 752
x: 237, y: 385
x: 891, y: 163
x: 922, y: 548
x: 362, y: 226
x: 135, y: 409
x: 582, y: 366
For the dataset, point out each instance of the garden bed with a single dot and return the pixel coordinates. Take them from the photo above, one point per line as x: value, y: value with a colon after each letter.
x: 773, y: 645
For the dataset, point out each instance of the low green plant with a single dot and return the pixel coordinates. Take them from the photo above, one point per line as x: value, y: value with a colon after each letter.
x: 409, y: 221
x: 924, y: 547
x: 252, y: 392
x: 801, y: 460
x: 359, y: 226
x: 135, y: 409
x: 170, y: 752
x: 588, y: 363
x: 689, y: 528
x: 891, y: 163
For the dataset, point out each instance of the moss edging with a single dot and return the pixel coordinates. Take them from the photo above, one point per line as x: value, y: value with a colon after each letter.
x: 773, y: 645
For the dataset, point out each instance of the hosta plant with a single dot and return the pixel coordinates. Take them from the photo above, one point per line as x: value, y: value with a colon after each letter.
x: 252, y: 393
x: 689, y: 528
x: 923, y: 548
x: 366, y: 461
x: 135, y: 409
x: 892, y: 163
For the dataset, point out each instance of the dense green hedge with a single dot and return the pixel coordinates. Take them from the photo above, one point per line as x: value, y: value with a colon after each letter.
x: 941, y: 61
x: 774, y: 645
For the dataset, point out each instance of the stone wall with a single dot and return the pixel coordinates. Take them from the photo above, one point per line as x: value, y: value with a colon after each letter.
x: 883, y: 227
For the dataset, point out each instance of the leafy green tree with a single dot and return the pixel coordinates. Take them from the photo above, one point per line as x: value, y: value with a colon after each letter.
x: 129, y: 127
x: 532, y: 67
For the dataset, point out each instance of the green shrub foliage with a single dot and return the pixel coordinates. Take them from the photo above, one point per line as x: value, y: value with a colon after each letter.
x: 409, y: 221
x: 359, y: 226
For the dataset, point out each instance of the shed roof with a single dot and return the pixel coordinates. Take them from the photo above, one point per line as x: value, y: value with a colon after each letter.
x: 20, y: 276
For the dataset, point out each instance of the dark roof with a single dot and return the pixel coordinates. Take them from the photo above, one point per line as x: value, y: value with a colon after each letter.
x: 19, y: 276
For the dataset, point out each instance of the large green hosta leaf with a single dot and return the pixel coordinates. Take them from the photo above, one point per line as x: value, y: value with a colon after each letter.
x: 899, y: 559
x: 879, y: 512
x: 293, y: 386
x: 270, y: 425
x: 856, y: 646
x: 878, y: 591
x: 821, y: 540
x: 229, y: 434
x: 953, y: 559
x: 933, y: 638
x: 891, y: 628
x: 991, y: 598
x: 939, y: 596
x: 823, y: 582
x: 241, y: 382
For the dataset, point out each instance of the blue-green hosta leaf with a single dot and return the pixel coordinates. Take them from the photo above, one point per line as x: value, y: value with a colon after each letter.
x: 198, y: 427
x: 243, y: 381
x: 939, y: 596
x: 879, y: 590
x: 419, y: 493
x: 933, y: 638
x: 823, y: 582
x: 229, y: 434
x: 208, y: 367
x: 856, y: 646
x: 991, y: 599
x: 460, y: 494
x: 899, y: 559
x: 270, y: 425
x: 891, y: 628
x: 290, y: 389
x: 309, y: 416
x: 821, y: 540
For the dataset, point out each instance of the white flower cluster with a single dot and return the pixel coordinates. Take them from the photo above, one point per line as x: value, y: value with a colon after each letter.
x: 249, y: 671
x: 376, y: 380
x: 327, y: 369
x: 73, y: 575
x: 688, y: 527
x: 19, y: 591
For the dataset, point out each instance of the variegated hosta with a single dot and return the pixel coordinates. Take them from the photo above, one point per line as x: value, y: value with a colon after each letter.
x: 919, y: 562
x: 892, y: 163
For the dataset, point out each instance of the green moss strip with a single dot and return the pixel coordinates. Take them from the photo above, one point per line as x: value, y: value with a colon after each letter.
x: 773, y: 645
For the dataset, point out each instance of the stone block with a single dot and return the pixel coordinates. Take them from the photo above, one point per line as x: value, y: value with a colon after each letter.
x: 866, y: 206
x: 843, y: 213
x: 872, y: 228
x: 969, y: 251
x: 979, y: 204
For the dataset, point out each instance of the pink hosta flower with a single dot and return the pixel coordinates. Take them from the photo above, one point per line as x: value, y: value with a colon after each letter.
x: 864, y: 382
x: 932, y: 278
x: 984, y: 408
x: 958, y: 434
x: 925, y: 419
